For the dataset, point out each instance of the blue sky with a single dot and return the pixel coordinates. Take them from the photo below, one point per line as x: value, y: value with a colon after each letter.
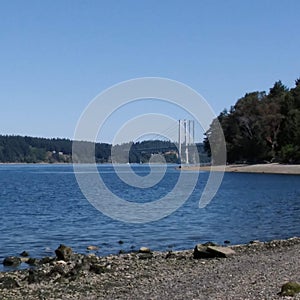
x: 57, y: 55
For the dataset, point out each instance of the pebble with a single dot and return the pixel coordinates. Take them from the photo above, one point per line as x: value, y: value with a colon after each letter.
x: 92, y: 248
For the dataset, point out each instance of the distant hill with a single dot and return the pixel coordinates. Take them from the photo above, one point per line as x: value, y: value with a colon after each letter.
x: 19, y: 149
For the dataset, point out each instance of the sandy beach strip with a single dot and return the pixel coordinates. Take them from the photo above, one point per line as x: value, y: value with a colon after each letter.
x: 274, y: 168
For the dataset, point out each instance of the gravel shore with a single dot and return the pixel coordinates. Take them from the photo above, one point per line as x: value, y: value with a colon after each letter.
x: 256, y: 271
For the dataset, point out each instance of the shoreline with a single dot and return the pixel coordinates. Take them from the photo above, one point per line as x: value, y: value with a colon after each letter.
x: 274, y: 168
x: 256, y: 271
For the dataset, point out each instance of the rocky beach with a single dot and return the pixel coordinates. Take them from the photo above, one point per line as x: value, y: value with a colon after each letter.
x: 256, y: 270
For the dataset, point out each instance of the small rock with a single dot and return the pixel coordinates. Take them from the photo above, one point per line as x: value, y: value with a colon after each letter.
x: 226, y: 242
x: 92, y: 248
x: 290, y: 289
x: 64, y: 253
x: 120, y: 242
x: 24, y: 254
x: 13, y: 261
x: 144, y: 250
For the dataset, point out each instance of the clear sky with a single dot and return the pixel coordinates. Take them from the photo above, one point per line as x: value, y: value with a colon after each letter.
x: 57, y: 55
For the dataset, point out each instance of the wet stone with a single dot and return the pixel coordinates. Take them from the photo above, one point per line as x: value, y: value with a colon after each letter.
x: 13, y: 261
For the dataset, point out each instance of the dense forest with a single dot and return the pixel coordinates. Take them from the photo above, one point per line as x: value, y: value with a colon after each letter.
x: 261, y: 127
x: 18, y: 149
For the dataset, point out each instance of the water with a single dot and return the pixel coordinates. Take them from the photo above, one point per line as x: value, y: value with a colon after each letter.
x: 42, y: 207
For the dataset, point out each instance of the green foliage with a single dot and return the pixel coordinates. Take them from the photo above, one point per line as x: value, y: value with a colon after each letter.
x: 18, y: 149
x: 262, y: 127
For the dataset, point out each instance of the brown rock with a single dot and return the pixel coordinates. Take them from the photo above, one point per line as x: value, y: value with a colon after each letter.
x: 64, y: 253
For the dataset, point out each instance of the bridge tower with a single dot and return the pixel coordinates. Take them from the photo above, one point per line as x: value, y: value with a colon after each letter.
x: 186, y: 137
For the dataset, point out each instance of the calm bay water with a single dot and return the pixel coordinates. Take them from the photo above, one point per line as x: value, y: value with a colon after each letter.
x: 42, y: 207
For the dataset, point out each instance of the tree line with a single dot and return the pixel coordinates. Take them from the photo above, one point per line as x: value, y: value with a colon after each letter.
x: 261, y: 127
x: 19, y: 149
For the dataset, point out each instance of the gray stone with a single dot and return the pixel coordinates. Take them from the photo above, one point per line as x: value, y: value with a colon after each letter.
x: 219, y: 251
x: 208, y: 251
x: 13, y: 261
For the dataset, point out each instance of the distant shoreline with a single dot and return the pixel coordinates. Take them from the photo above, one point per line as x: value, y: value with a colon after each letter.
x: 274, y: 168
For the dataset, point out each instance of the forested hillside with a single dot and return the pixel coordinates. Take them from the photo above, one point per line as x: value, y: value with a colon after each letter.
x: 18, y: 149
x: 262, y: 127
